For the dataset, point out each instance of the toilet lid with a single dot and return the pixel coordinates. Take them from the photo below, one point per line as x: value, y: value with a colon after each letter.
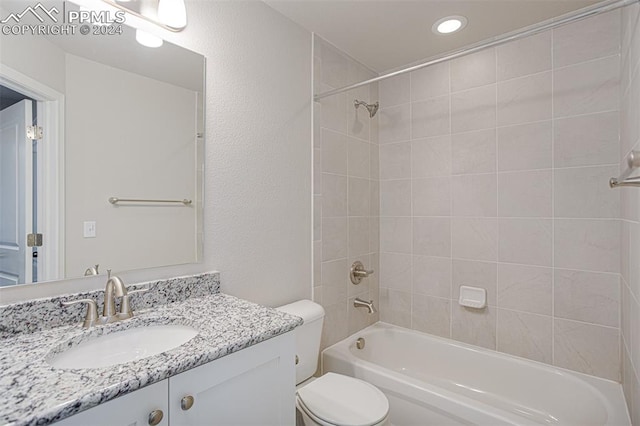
x: 343, y: 400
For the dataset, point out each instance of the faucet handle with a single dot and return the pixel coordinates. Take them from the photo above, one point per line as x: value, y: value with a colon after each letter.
x: 91, y: 317
x: 125, y: 306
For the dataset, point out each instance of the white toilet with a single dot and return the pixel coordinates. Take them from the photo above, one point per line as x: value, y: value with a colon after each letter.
x: 332, y: 399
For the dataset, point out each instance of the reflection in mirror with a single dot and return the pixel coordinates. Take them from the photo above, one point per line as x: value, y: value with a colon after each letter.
x: 85, y: 118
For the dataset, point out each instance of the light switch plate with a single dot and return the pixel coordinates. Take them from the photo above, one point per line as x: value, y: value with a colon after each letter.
x: 90, y: 229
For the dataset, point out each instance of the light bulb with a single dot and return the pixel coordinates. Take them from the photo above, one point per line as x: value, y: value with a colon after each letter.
x: 147, y: 39
x: 172, y: 13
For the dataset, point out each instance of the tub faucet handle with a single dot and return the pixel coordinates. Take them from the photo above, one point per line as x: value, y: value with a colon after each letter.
x: 357, y: 272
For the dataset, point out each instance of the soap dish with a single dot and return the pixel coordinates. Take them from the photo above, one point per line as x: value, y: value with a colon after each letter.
x: 473, y: 297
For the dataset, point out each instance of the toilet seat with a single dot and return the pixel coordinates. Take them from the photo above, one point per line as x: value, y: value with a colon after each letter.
x: 338, y: 400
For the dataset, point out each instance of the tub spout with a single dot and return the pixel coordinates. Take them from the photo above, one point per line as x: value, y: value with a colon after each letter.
x: 359, y: 303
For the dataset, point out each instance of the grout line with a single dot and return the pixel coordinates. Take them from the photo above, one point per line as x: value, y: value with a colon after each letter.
x: 497, y: 180
x: 553, y: 207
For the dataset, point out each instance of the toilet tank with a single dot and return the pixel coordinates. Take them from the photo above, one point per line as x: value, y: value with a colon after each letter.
x: 307, y: 336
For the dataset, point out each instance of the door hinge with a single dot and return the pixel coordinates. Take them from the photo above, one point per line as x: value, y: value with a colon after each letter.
x: 34, y: 132
x: 34, y: 240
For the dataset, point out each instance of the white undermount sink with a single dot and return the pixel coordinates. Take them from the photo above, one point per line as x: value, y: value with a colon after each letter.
x: 124, y: 346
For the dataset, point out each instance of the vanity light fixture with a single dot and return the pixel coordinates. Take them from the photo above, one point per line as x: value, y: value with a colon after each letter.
x: 172, y: 13
x: 146, y: 39
x: 449, y: 24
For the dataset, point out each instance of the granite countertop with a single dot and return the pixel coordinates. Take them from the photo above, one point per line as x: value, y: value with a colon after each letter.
x: 33, y: 392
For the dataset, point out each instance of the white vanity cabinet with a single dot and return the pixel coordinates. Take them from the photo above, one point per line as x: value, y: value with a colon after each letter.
x: 133, y: 409
x: 254, y: 386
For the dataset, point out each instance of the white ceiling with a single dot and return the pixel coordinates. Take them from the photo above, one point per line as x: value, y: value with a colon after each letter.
x: 387, y: 34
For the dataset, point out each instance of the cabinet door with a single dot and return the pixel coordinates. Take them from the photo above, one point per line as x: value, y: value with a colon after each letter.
x: 254, y: 386
x: 128, y: 410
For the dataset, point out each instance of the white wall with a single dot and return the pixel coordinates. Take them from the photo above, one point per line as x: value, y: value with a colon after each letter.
x: 45, y: 64
x: 258, y: 155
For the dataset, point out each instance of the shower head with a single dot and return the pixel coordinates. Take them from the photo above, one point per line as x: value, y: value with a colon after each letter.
x: 372, y: 108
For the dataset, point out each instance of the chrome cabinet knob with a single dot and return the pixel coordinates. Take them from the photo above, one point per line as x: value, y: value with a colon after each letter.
x: 155, y: 417
x: 186, y: 402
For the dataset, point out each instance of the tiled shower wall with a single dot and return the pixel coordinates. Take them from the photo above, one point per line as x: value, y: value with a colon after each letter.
x: 345, y: 193
x: 494, y: 173
x: 630, y: 252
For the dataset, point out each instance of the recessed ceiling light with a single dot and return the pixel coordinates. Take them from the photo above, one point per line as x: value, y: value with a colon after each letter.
x: 449, y: 25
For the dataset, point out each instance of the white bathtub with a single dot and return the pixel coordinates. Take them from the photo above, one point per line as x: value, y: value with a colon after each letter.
x: 435, y: 381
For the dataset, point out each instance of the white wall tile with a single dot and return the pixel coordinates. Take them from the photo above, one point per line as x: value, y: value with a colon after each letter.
x: 394, y: 91
x: 524, y: 99
x: 334, y: 238
x: 525, y: 241
x: 473, y: 109
x: 525, y: 194
x: 575, y: 348
x: 586, y: 140
x: 430, y: 82
x: 334, y: 66
x: 334, y: 281
x: 475, y: 239
x: 358, y: 236
x: 587, y: 296
x: 395, y: 197
x: 525, y: 335
x: 474, y: 152
x: 334, y: 195
x: 334, y: 152
x: 431, y: 196
x: 334, y: 111
x: 525, y: 146
x: 474, y: 70
x: 525, y: 288
x: 396, y: 234
x: 590, y: 245
x: 431, y: 157
x: 395, y: 161
x: 395, y: 271
x: 474, y: 195
x: 394, y: 124
x: 585, y: 192
x: 432, y: 276
x: 526, y: 56
x: 395, y: 307
x: 591, y: 38
x: 431, y: 315
x: 586, y: 88
x: 474, y: 326
x: 432, y: 236
x: 359, y: 197
x: 358, y: 152
x: 430, y: 117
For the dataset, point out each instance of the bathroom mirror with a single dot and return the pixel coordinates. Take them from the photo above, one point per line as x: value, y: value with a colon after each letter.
x: 87, y: 119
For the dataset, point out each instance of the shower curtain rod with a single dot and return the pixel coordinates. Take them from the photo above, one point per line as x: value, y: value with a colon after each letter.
x: 586, y: 12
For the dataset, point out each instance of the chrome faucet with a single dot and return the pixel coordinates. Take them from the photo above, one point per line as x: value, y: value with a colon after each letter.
x: 114, y: 288
x: 359, y: 303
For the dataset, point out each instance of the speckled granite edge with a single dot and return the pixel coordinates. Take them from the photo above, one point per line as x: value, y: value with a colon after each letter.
x: 47, y: 313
